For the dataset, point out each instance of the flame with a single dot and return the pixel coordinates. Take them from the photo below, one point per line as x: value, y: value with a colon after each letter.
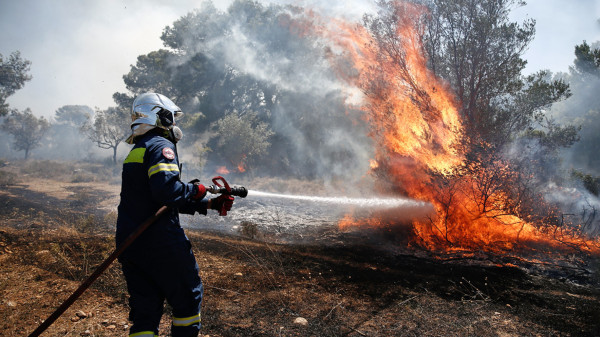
x: 242, y: 165
x: 349, y: 222
x: 346, y: 222
x: 222, y: 170
x: 418, y: 131
x: 412, y: 113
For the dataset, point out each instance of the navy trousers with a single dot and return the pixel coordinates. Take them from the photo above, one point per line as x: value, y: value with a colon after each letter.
x: 169, y: 273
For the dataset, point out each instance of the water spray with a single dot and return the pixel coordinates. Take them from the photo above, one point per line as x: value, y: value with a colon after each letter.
x: 360, y: 202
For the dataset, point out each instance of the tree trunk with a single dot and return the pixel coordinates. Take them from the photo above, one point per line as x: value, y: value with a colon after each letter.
x: 115, y: 155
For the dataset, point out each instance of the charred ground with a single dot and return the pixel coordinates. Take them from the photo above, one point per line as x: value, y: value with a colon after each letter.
x: 54, y: 231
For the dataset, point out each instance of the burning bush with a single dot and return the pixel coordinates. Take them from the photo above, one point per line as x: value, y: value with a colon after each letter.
x: 452, y: 149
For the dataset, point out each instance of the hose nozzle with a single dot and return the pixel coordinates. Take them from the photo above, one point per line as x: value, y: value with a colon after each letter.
x: 236, y: 191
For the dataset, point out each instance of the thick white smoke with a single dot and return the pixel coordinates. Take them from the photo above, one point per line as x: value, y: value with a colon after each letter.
x: 312, y: 96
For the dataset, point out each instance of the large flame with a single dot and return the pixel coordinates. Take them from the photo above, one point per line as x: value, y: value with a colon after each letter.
x: 417, y: 127
x: 411, y: 112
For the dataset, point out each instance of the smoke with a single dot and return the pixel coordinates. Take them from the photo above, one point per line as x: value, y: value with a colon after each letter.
x: 578, y: 206
x: 61, y: 142
x: 569, y: 177
x: 318, y: 135
x: 80, y: 49
x: 582, y: 109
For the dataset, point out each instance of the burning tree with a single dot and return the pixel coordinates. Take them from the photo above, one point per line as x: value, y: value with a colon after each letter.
x: 443, y: 99
x: 447, y: 104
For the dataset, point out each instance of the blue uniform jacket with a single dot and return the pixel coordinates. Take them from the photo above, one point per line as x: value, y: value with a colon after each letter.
x: 150, y: 180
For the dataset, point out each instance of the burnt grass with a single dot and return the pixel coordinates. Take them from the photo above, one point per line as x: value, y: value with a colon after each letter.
x: 48, y: 245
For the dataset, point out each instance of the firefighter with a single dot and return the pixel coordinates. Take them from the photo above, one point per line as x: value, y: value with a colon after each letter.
x: 160, y: 265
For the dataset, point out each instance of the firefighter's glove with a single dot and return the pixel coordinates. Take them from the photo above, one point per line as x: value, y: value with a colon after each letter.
x: 199, y: 190
x: 222, y: 203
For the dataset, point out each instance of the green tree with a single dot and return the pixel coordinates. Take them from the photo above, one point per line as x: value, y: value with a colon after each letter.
x: 516, y: 115
x: 13, y: 75
x: 254, y: 57
x: 475, y: 47
x: 26, y: 129
x: 64, y: 139
x: 587, y: 60
x: 73, y: 115
x: 243, y: 140
x: 152, y: 73
x: 108, y: 129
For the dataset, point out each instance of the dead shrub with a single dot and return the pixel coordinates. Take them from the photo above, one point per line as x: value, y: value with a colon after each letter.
x: 46, y: 168
x: 82, y: 177
x: 248, y: 229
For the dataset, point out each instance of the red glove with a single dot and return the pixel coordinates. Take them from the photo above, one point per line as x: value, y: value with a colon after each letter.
x: 199, y: 190
x: 222, y: 203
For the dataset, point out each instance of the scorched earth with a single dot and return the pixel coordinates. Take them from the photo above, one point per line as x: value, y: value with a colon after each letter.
x: 273, y: 268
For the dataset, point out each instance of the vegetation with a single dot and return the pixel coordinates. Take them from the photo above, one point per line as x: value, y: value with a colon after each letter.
x: 73, y: 115
x: 13, y: 75
x: 107, y: 129
x: 583, y: 108
x: 27, y: 130
x: 243, y: 139
x: 240, y: 76
x: 249, y: 60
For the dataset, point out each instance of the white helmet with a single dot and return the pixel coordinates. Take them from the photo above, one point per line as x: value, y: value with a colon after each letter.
x: 155, y: 110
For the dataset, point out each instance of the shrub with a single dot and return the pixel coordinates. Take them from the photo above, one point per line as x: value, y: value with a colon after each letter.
x: 8, y: 178
x: 248, y: 229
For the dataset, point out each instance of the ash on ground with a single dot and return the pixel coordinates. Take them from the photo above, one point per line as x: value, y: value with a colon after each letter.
x: 273, y: 220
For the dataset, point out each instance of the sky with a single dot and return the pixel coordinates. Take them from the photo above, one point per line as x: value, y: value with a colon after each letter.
x: 80, y: 50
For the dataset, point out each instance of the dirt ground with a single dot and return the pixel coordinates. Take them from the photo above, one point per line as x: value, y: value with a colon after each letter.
x: 54, y: 231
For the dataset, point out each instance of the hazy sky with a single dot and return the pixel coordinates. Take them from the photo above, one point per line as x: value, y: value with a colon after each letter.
x: 81, y: 49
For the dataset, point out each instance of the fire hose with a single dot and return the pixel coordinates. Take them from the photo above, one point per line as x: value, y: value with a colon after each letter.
x: 217, y: 188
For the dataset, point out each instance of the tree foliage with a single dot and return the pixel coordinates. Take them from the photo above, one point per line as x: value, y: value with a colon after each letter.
x: 13, y: 75
x: 243, y: 140
x: 73, y: 115
x: 512, y: 143
x: 108, y: 128
x: 27, y: 130
x: 475, y: 47
x: 587, y: 60
x: 252, y: 59
x: 64, y: 137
